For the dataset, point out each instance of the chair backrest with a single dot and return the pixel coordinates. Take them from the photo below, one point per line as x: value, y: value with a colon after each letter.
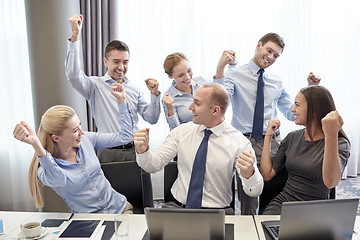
x: 171, y: 174
x: 52, y: 201
x: 126, y: 178
x: 273, y: 187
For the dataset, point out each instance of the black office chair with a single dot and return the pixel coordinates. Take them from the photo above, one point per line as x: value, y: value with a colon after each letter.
x: 273, y: 187
x: 170, y: 175
x: 127, y: 178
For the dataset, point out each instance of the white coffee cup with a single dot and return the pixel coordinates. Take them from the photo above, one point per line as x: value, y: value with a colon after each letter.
x: 31, y: 229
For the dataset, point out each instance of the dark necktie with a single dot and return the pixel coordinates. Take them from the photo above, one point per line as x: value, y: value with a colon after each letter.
x: 194, y: 197
x: 257, y: 129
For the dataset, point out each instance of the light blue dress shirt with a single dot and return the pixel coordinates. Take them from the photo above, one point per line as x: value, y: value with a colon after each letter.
x: 83, y: 185
x: 241, y: 85
x: 182, y: 101
x: 102, y: 103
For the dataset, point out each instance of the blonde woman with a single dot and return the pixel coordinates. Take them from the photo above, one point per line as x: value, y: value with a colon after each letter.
x: 65, y: 158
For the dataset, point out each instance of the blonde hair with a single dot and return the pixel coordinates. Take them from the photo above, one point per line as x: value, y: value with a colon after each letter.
x: 172, y: 60
x: 52, y: 123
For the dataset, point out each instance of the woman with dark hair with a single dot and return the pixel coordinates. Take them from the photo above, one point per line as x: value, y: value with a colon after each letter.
x: 315, y: 156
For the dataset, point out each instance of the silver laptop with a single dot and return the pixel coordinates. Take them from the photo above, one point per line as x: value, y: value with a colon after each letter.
x: 182, y: 223
x: 320, y: 219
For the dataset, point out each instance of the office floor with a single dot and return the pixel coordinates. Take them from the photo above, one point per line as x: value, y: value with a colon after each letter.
x: 347, y: 188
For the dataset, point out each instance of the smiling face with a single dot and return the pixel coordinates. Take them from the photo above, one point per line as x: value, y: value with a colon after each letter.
x: 71, y: 136
x: 300, y: 109
x: 117, y: 63
x: 182, y: 74
x: 201, y: 107
x: 267, y: 54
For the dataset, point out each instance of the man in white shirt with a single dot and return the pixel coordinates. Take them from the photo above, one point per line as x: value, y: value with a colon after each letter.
x: 228, y: 151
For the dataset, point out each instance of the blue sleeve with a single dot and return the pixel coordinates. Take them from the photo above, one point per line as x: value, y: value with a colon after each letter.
x: 285, y: 104
x: 150, y: 112
x: 49, y: 173
x: 173, y: 120
x: 106, y: 140
x: 79, y: 81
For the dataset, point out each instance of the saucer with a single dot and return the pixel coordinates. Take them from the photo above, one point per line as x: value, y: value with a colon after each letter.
x: 43, y: 233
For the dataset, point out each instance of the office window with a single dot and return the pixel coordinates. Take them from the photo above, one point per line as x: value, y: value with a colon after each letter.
x: 16, y: 105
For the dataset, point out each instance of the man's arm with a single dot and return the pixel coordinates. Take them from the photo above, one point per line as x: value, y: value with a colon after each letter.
x: 228, y: 57
x: 252, y: 181
x: 150, y: 112
x: 153, y: 161
x: 73, y: 71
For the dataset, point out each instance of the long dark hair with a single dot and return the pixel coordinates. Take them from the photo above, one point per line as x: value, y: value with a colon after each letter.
x: 319, y: 103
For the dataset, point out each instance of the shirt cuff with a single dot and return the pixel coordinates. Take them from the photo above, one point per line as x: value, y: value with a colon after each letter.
x: 123, y: 108
x: 155, y: 98
x: 72, y: 46
x: 46, y: 160
x: 220, y: 80
x: 253, y: 180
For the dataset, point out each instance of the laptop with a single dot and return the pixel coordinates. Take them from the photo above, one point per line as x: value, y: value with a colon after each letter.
x: 318, y: 219
x: 182, y: 223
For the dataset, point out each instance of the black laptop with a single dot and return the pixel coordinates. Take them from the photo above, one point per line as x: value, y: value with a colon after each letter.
x: 320, y: 219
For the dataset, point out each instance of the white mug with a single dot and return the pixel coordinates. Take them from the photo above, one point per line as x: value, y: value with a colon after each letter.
x: 31, y: 229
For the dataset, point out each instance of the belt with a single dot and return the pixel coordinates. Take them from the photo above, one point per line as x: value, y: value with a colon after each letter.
x: 277, y: 133
x: 125, y: 146
x: 184, y: 205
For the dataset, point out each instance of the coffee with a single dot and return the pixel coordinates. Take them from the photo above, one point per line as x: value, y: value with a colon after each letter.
x: 31, y: 226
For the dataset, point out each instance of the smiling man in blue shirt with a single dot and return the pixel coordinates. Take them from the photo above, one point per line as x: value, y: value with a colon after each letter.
x: 96, y: 90
x: 241, y: 85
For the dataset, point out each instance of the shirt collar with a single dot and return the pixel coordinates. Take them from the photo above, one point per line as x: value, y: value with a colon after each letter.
x: 217, y: 130
x: 255, y: 68
x: 108, y: 79
x: 175, y: 92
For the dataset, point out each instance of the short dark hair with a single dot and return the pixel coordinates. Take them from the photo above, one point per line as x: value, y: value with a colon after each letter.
x: 273, y: 37
x: 115, y: 45
x: 219, y: 96
x: 319, y: 104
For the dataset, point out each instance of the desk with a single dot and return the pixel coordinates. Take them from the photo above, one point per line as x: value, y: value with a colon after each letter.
x: 260, y: 218
x: 244, y: 227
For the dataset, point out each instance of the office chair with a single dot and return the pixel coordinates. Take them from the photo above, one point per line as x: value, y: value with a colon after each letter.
x: 127, y: 178
x: 171, y: 174
x: 273, y: 187
x: 52, y: 201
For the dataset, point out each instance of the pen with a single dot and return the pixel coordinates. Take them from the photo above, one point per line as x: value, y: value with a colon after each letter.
x: 72, y: 214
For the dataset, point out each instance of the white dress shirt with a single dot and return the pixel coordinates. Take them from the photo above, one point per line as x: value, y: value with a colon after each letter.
x: 224, y: 146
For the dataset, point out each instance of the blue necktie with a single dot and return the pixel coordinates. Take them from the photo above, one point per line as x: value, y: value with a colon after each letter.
x: 257, y: 129
x: 194, y: 197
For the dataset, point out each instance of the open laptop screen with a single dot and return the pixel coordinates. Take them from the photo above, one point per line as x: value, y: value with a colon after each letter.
x: 323, y: 219
x: 172, y: 223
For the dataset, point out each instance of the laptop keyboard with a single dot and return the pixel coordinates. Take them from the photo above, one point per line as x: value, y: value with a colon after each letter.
x: 275, y: 230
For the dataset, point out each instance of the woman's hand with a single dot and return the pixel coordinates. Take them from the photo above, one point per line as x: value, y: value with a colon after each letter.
x: 169, y: 103
x: 273, y: 125
x: 331, y: 124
